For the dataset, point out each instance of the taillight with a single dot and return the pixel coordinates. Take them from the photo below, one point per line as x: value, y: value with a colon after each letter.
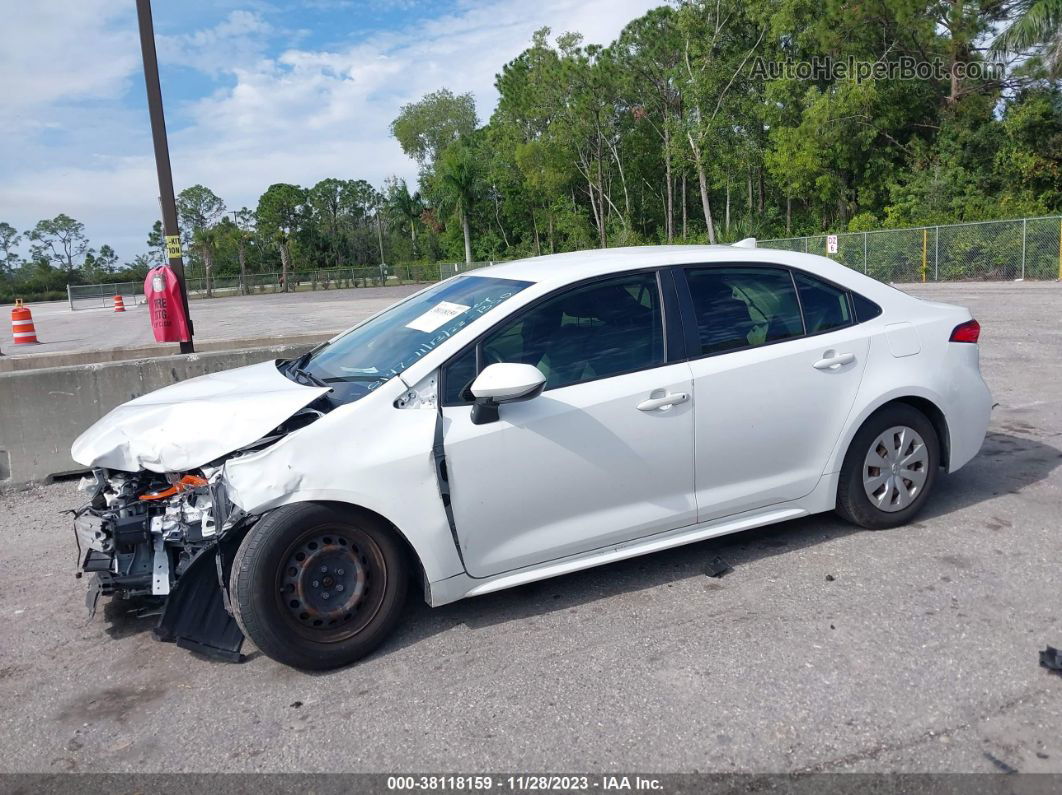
x: 966, y: 332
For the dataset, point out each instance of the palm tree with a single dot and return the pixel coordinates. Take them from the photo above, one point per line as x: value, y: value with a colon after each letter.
x: 406, y: 207
x: 1038, y: 22
x: 206, y: 239
x: 457, y: 185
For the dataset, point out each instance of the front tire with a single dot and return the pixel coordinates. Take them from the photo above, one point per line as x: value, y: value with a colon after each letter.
x: 317, y: 586
x: 890, y: 468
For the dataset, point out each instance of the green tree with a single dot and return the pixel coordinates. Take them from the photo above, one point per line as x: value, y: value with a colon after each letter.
x: 98, y: 266
x: 405, y: 207
x: 456, y: 184
x: 281, y: 214
x: 198, y: 209
x: 719, y: 41
x: 1035, y: 24
x: 241, y: 231
x: 9, y: 240
x: 649, y: 56
x: 425, y: 128
x: 60, y: 241
x: 1028, y: 163
x: 157, y: 244
x: 206, y: 239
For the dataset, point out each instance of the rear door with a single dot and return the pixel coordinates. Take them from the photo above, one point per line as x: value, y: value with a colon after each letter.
x: 598, y: 458
x: 774, y: 384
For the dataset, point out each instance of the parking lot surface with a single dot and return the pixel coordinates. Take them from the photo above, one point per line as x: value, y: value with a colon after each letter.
x: 229, y: 318
x: 827, y: 648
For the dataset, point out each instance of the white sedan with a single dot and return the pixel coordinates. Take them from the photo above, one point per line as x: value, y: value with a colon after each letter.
x: 520, y: 422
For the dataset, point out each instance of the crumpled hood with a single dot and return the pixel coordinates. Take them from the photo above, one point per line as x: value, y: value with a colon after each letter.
x: 193, y: 422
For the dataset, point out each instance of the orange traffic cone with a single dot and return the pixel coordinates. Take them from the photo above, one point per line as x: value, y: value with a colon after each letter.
x: 119, y: 304
x: 22, y: 329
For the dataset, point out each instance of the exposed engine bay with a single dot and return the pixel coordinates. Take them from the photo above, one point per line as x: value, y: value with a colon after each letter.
x: 167, y: 540
x: 158, y: 539
x: 141, y: 531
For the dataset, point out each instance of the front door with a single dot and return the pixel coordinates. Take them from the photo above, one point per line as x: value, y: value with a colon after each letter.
x: 603, y: 455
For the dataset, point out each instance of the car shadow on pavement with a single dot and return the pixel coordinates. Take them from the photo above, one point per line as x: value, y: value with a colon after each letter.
x: 1006, y: 464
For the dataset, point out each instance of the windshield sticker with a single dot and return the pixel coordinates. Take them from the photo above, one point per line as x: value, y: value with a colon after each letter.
x: 436, y: 316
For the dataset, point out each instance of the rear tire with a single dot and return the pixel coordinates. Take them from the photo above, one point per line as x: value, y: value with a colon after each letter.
x: 317, y: 586
x: 890, y: 468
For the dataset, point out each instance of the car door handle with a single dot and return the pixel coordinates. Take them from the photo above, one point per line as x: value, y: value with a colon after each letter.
x: 832, y: 360
x: 651, y: 404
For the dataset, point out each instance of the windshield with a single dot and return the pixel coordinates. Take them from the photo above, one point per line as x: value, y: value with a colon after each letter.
x: 381, y: 348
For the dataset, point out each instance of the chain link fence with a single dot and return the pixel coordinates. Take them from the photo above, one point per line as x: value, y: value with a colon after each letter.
x: 1024, y: 248
x: 97, y: 296
x: 448, y: 269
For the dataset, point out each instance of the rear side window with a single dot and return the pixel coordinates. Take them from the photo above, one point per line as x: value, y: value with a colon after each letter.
x: 595, y: 331
x: 825, y: 306
x: 743, y: 307
x: 865, y: 309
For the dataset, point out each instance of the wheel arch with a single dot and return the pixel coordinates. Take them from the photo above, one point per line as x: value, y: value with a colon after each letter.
x: 934, y: 414
x: 411, y: 551
x: 922, y: 401
x: 413, y: 555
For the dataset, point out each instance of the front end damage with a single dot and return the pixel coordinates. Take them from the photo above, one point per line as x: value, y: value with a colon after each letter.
x: 159, y: 527
x: 166, y: 541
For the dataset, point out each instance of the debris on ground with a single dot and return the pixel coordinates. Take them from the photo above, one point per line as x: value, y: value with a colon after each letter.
x: 296, y: 704
x: 718, y: 567
x: 1051, y: 659
x: 830, y: 578
x: 999, y: 764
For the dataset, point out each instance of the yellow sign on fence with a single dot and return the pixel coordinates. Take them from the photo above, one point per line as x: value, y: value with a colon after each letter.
x: 173, y: 246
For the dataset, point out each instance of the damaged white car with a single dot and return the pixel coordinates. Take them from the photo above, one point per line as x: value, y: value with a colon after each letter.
x: 524, y: 421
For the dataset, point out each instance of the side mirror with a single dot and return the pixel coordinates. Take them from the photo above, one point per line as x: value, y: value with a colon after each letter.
x: 504, y: 382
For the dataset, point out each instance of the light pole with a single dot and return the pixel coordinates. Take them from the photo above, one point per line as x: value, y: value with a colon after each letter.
x: 162, y: 157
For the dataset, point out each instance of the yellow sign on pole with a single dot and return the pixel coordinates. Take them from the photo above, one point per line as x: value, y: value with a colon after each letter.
x: 173, y: 246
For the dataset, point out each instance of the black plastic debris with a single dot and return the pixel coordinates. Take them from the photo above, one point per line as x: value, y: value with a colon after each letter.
x: 296, y: 704
x: 1051, y: 659
x: 194, y: 616
x: 830, y: 578
x: 718, y: 567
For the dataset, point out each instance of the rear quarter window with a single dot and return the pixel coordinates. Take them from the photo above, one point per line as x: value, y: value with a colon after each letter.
x: 865, y: 309
x: 825, y: 306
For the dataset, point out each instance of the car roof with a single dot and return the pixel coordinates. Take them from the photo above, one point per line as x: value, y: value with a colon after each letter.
x: 559, y: 269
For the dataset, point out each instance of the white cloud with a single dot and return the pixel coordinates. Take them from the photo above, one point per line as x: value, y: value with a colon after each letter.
x: 240, y: 38
x: 297, y: 117
x: 65, y: 49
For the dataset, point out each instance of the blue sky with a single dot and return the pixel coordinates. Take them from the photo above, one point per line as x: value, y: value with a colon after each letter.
x: 256, y: 92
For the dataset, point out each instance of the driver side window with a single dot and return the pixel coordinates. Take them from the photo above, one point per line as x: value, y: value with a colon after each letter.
x: 595, y: 331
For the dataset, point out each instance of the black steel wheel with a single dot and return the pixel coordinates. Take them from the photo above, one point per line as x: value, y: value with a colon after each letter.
x: 317, y: 586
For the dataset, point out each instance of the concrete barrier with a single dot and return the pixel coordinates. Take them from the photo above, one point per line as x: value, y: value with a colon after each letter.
x: 42, y: 411
x: 18, y: 360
